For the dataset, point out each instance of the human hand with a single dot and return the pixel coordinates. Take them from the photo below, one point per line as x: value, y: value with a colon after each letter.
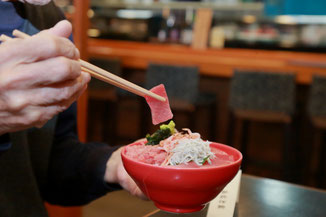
x: 39, y: 77
x: 34, y: 2
x: 116, y: 173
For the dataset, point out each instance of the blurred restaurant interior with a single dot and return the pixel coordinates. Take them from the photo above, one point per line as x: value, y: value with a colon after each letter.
x: 246, y: 73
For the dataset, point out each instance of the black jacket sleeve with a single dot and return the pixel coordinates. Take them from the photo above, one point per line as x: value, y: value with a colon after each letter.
x: 76, y: 170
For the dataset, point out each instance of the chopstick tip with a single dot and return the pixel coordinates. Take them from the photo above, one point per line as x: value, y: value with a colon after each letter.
x: 15, y: 32
x: 4, y: 37
x: 20, y: 34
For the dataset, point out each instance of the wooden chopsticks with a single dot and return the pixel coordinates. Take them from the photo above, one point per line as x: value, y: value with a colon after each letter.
x: 101, y: 74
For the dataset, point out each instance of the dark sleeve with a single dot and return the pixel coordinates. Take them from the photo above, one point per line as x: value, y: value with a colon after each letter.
x: 5, y: 143
x: 4, y: 146
x: 76, y: 170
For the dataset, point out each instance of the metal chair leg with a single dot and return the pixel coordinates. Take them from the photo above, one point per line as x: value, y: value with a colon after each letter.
x: 244, y: 143
x: 230, y: 133
x: 321, y: 177
x: 288, y: 155
x: 213, y: 122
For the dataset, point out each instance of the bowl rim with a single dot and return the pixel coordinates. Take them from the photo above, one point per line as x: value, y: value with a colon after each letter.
x: 238, y: 161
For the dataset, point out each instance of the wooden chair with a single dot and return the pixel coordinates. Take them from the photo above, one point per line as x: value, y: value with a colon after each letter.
x: 317, y: 115
x: 263, y: 97
x: 182, y: 86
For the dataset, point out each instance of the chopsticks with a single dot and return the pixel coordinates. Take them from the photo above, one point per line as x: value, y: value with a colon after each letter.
x: 100, y: 74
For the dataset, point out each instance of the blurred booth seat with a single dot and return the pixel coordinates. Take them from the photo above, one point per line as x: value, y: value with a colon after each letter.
x: 317, y: 114
x: 182, y: 86
x: 267, y: 97
x: 104, y: 96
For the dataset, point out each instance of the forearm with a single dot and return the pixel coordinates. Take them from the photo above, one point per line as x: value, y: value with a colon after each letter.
x: 76, y: 172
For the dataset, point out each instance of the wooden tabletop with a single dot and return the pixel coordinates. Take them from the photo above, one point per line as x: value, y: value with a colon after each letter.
x: 259, y: 197
x: 211, y: 62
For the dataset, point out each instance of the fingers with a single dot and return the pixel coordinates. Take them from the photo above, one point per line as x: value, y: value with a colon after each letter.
x: 33, y: 115
x: 39, y: 47
x: 116, y: 173
x: 62, y: 94
x: 50, y: 71
x: 39, y: 77
x: 135, y: 191
x: 53, y: 46
x: 62, y: 29
x: 129, y: 184
x: 29, y: 117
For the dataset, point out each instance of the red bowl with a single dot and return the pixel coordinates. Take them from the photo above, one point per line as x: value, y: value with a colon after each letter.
x: 182, y: 190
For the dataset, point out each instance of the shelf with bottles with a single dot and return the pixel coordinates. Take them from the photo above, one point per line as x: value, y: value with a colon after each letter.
x: 217, y: 5
x: 227, y: 6
x: 273, y: 33
x: 302, y: 33
x: 144, y: 22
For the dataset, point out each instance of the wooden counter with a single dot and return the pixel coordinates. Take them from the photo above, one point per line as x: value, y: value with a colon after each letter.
x: 259, y: 197
x: 211, y: 62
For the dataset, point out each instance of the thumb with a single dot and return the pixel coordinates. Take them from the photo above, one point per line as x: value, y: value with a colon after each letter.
x: 61, y: 29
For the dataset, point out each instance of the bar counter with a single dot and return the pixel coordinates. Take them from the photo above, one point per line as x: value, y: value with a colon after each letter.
x: 211, y: 62
x: 259, y: 197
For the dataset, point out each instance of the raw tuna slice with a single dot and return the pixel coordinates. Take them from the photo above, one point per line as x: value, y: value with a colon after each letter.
x: 161, y: 111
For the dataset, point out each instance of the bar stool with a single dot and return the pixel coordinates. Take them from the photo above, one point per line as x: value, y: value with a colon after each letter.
x: 258, y: 96
x: 317, y: 115
x: 182, y: 86
x: 104, y: 96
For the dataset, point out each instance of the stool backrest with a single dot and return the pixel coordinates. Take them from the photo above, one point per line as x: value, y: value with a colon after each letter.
x: 181, y: 82
x: 317, y: 96
x: 263, y: 91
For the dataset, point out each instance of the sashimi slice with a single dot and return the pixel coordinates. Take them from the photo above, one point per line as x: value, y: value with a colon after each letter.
x: 161, y: 111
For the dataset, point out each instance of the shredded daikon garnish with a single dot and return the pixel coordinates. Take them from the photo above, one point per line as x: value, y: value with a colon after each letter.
x: 183, y: 148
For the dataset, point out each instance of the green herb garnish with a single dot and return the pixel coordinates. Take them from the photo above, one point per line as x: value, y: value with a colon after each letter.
x: 165, y: 131
x: 156, y: 137
x: 205, y: 160
x: 171, y: 126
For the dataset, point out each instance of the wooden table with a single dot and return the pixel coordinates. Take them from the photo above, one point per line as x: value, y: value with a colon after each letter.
x: 259, y: 197
x: 211, y: 62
